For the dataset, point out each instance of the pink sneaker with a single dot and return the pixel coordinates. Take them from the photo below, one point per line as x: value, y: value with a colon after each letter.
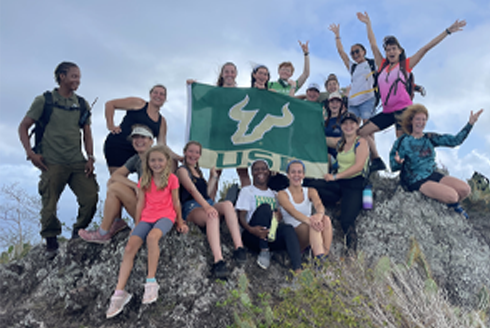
x: 151, y: 292
x: 117, y: 226
x: 94, y: 236
x: 117, y: 304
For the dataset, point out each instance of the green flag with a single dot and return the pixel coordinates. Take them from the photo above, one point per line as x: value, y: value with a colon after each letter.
x: 239, y: 125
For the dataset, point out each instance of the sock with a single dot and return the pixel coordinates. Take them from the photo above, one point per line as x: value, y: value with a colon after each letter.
x: 118, y: 292
x: 151, y: 280
x: 103, y: 232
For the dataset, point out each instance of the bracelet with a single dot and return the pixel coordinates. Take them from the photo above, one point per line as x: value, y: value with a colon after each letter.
x: 307, y: 53
x: 448, y: 32
x: 92, y: 157
x: 335, y: 176
x: 337, y: 37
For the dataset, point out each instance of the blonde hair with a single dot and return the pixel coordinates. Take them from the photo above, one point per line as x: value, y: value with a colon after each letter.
x: 409, y: 114
x: 190, y: 143
x: 147, y: 175
x: 286, y: 64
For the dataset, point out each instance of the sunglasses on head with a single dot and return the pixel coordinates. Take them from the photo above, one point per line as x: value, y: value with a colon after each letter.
x: 355, y: 52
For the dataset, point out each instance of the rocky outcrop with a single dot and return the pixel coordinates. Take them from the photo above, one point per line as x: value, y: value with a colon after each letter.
x: 74, y: 289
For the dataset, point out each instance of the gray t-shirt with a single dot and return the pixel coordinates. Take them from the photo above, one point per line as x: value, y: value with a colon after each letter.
x: 134, y: 165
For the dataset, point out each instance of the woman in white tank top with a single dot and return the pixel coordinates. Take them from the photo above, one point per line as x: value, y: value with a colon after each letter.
x: 296, y: 208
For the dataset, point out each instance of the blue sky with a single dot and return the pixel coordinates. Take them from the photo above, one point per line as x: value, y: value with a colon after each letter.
x: 124, y: 49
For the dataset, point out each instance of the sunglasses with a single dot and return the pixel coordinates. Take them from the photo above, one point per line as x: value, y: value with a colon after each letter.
x: 355, y: 52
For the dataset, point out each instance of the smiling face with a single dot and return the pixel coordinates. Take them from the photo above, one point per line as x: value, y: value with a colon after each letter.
x: 349, y: 128
x: 261, y: 76
x: 393, y: 53
x: 332, y: 86
x: 141, y: 143
x: 229, y: 74
x: 312, y: 95
x: 357, y: 54
x: 285, y: 72
x: 71, y: 80
x: 157, y: 162
x: 418, y: 123
x: 192, y: 154
x: 158, y: 96
x: 260, y: 174
x: 334, y: 105
x: 296, y: 174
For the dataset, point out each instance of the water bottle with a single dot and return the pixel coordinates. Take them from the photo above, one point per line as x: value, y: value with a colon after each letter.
x: 367, y: 197
x: 272, y: 230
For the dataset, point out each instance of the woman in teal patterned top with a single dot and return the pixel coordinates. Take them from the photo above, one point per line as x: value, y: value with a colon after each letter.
x: 413, y: 153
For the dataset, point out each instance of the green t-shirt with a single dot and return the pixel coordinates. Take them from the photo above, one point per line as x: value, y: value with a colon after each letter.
x: 281, y: 86
x: 62, y: 139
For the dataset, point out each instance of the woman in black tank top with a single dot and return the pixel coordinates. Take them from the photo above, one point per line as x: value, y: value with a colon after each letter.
x: 117, y: 146
x: 196, y: 196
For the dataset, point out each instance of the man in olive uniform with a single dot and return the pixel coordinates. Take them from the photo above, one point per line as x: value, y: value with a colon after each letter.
x: 62, y: 120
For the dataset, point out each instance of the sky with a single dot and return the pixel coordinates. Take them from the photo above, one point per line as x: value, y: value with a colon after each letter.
x: 124, y: 48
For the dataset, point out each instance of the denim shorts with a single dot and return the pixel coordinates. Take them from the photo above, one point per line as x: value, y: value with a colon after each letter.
x: 143, y: 228
x: 188, y: 206
x: 364, y: 110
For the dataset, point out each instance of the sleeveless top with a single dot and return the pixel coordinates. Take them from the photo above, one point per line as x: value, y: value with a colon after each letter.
x: 200, y: 183
x: 391, y: 83
x: 304, y: 207
x: 347, y: 158
x: 132, y: 117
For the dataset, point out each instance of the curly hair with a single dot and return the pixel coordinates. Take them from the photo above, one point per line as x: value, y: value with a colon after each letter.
x: 198, y: 169
x: 145, y: 182
x: 409, y: 114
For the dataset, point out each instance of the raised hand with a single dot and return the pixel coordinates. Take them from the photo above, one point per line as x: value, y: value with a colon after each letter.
x: 457, y: 26
x: 363, y: 17
x: 304, y: 46
x: 474, y: 117
x: 335, y: 29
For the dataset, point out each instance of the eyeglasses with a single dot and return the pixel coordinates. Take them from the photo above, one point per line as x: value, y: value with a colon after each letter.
x: 355, y: 52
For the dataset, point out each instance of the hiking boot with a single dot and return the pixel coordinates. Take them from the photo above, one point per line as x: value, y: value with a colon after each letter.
x: 151, y: 292
x: 232, y: 193
x: 94, y: 236
x: 264, y: 259
x: 219, y: 270
x: 459, y: 209
x: 117, y: 226
x: 240, y: 255
x: 377, y: 164
x: 51, y: 247
x: 117, y: 304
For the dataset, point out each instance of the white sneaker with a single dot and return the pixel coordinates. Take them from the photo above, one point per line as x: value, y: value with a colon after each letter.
x: 151, y: 292
x: 117, y: 304
x: 264, y: 259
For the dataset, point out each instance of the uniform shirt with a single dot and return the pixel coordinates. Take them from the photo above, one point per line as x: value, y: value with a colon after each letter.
x: 282, y: 86
x: 62, y: 138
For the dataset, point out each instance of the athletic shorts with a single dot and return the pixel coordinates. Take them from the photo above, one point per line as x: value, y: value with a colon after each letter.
x: 364, y: 110
x: 188, y: 206
x: 116, y: 154
x: 385, y: 120
x: 143, y: 228
x: 435, y: 176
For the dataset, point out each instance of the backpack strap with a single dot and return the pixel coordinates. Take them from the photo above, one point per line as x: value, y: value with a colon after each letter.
x: 84, y: 112
x: 41, y: 123
x: 353, y: 68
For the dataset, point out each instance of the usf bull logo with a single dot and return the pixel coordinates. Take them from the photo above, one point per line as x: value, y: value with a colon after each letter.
x: 245, y: 117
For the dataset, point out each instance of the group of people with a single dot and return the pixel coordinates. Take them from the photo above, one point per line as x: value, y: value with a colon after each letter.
x: 262, y: 219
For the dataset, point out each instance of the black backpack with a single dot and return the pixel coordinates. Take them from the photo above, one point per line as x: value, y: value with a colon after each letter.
x: 40, y: 125
x: 374, y: 72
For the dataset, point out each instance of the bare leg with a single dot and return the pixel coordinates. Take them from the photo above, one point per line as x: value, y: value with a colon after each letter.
x: 153, y: 251
x: 367, y: 131
x: 327, y: 234
x: 439, y: 191
x: 199, y: 217
x: 244, y: 177
x: 461, y: 187
x: 118, y: 195
x: 130, y: 251
x: 228, y: 211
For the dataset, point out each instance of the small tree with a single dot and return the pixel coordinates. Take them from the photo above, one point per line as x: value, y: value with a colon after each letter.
x: 19, y: 216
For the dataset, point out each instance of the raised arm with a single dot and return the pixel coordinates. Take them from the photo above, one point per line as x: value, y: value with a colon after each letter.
x: 449, y: 140
x: 130, y: 103
x: 162, y: 140
x: 455, y: 27
x: 306, y: 69
x: 378, y: 57
x: 340, y: 48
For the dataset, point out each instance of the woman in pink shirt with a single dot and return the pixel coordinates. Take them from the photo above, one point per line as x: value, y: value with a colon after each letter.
x: 393, y: 76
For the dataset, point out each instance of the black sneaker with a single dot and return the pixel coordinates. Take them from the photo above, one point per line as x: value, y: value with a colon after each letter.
x: 51, y: 247
x: 377, y: 164
x: 219, y: 270
x: 240, y: 255
x: 232, y: 193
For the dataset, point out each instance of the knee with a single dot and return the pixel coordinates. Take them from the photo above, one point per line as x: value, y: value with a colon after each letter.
x: 264, y: 209
x: 327, y: 222
x: 452, y: 196
x: 153, y: 237
x: 212, y: 220
x: 464, y: 190
x: 227, y: 205
x: 130, y: 249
